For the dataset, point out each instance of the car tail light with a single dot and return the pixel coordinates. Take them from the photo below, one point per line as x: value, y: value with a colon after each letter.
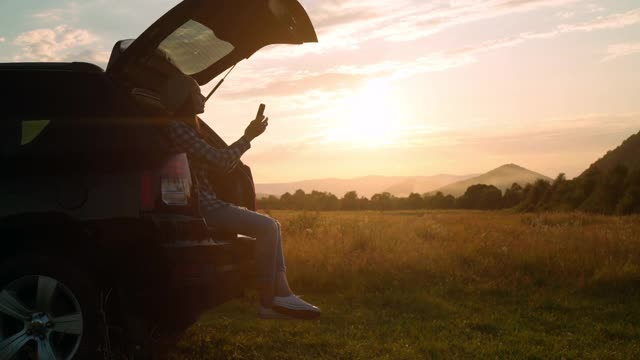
x: 175, y: 180
x: 147, y: 197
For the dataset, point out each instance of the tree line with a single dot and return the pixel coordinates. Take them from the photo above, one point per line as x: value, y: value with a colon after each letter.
x: 616, y: 191
x: 613, y: 192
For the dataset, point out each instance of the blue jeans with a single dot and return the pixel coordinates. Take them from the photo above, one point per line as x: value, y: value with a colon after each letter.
x: 266, y: 230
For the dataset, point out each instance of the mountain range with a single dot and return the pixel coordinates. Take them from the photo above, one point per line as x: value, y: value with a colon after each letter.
x: 502, y: 177
x: 364, y: 185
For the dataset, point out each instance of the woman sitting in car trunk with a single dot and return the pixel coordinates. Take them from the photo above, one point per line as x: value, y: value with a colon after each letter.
x: 276, y: 298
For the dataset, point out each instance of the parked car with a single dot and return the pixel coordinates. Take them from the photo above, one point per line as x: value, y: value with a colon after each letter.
x: 103, y: 248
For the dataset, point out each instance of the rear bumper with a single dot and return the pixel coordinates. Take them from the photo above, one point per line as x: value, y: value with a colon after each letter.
x: 195, y: 256
x: 202, y: 263
x: 200, y: 271
x: 171, y: 229
x: 206, y: 274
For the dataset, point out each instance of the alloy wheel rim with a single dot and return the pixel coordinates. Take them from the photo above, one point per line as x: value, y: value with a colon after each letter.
x: 39, y: 316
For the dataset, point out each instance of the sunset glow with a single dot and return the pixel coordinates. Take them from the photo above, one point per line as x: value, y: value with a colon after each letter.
x: 367, y: 119
x: 320, y: 179
x: 408, y: 87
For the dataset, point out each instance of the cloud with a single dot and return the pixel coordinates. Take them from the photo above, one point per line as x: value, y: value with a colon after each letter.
x: 71, y: 11
x: 614, y: 21
x: 318, y: 82
x: 619, y: 50
x: 560, y: 137
x: 430, y: 21
x: 60, y: 43
x: 545, y: 135
x: 344, y: 76
x: 347, y: 24
x: 594, y: 8
x: 565, y: 14
x: 610, y: 22
x: 328, y: 14
x: 347, y: 76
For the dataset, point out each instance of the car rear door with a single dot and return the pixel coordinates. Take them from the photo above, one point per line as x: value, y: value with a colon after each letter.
x: 202, y: 38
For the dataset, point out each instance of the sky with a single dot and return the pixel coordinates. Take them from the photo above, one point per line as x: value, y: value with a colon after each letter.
x: 403, y: 87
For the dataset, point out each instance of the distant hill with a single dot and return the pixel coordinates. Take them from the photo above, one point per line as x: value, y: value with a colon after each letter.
x: 627, y: 154
x: 609, y: 190
x: 502, y: 178
x: 365, y: 185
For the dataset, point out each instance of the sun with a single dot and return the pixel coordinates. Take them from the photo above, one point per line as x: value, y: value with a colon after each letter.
x: 367, y: 119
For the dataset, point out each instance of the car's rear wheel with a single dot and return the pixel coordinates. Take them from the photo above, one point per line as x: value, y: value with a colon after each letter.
x: 47, y: 310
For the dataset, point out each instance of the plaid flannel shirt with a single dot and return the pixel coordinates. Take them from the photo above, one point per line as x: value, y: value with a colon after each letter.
x: 205, y: 159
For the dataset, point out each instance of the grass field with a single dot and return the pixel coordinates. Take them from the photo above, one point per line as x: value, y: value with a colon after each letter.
x: 444, y: 284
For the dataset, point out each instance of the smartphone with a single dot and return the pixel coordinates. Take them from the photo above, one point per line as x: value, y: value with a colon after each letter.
x: 261, y: 111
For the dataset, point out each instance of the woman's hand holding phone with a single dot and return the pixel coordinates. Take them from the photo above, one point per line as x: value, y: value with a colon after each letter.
x: 257, y: 126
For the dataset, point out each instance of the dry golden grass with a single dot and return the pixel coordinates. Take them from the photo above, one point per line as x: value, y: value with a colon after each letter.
x: 444, y: 284
x: 486, y: 250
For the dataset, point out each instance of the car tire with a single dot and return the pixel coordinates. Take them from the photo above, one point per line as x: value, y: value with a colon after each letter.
x: 57, y: 304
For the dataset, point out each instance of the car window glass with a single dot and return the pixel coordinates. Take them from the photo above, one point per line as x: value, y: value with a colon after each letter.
x: 31, y: 129
x: 194, y: 47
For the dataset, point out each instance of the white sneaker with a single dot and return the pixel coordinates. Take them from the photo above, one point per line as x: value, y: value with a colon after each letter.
x: 294, y: 306
x: 268, y: 313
